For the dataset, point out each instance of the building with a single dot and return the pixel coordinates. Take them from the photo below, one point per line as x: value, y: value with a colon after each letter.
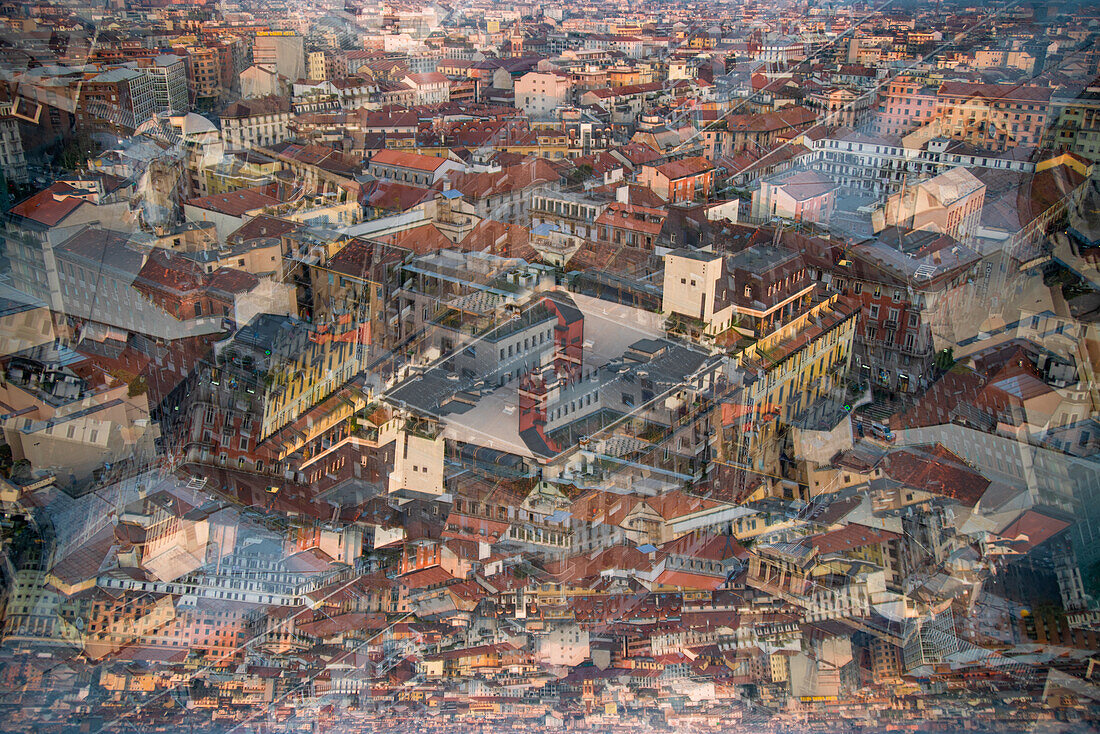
x: 282, y: 50
x: 909, y: 284
x: 540, y: 94
x: 1075, y: 123
x: 411, y: 168
x: 753, y: 292
x: 431, y: 88
x: 204, y: 75
x: 928, y: 641
x: 120, y: 99
x: 629, y: 225
x: 994, y: 116
x: 802, y: 195
x: 250, y: 123
x: 950, y: 203
x: 38, y: 224
x: 169, y: 73
x: 13, y: 162
x: 905, y: 104
x: 315, y: 62
x: 679, y: 181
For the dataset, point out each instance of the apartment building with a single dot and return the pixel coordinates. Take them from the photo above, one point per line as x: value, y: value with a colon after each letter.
x: 203, y: 75
x: 950, y: 203
x: 1075, y: 123
x: 995, y: 116
x: 540, y: 94
x: 169, y: 73
x: 572, y: 214
x: 802, y: 195
x: 12, y: 159
x: 905, y: 105
x: 430, y: 88
x: 283, y: 50
x: 688, y: 179
x: 256, y: 122
x: 120, y: 99
x: 908, y: 284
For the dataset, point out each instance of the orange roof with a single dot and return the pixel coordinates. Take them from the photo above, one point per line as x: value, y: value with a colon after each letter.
x: 419, y: 240
x: 851, y: 537
x: 45, y: 209
x: 402, y: 159
x: 235, y: 203
x: 685, y: 167
x: 1033, y: 528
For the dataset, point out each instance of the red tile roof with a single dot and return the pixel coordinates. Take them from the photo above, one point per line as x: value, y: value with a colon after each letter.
x: 429, y: 78
x: 396, y: 196
x: 936, y: 470
x: 851, y: 537
x: 402, y: 159
x: 476, y: 186
x: 1033, y: 528
x: 685, y: 167
x: 1010, y: 92
x: 45, y: 208
x: 419, y: 240
x: 235, y: 203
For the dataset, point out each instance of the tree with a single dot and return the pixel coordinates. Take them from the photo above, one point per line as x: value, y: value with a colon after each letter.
x: 5, y: 460
x: 138, y: 386
x: 945, y: 359
x: 77, y: 151
x: 580, y: 174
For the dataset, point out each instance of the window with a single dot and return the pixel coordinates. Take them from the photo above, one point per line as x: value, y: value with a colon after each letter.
x: 873, y: 313
x: 628, y: 400
x: 858, y: 288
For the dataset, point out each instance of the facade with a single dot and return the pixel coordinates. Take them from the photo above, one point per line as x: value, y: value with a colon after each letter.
x: 995, y: 116
x: 120, y: 99
x: 430, y: 88
x: 689, y: 179
x: 1075, y: 123
x: 282, y: 50
x: 906, y: 301
x: 801, y: 195
x: 256, y: 123
x: 540, y: 94
x: 12, y: 158
x: 905, y: 105
x: 204, y: 75
x: 169, y: 74
x: 950, y: 203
